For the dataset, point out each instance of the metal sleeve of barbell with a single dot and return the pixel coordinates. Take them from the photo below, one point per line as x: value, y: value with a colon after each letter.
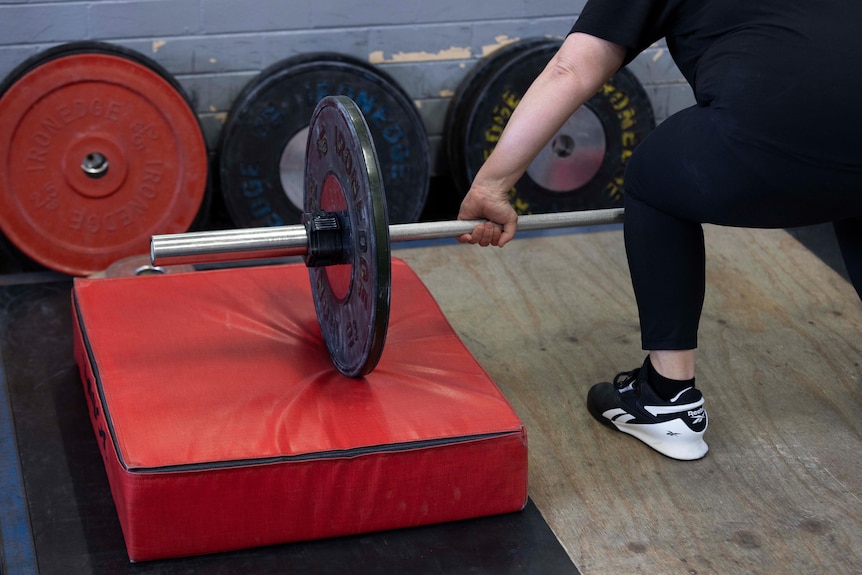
x: 530, y: 222
x: 228, y: 245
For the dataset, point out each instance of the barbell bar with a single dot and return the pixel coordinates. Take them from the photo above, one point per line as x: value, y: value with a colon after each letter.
x: 345, y: 238
x: 293, y: 240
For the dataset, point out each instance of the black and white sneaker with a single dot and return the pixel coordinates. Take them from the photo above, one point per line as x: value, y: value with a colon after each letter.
x: 673, y: 428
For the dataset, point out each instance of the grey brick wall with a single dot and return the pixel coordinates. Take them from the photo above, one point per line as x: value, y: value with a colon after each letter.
x: 214, y: 47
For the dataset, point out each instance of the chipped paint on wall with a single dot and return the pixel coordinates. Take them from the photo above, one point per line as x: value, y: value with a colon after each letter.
x: 453, y: 53
x: 500, y: 42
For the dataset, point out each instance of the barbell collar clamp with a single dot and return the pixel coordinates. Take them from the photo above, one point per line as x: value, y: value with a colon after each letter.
x: 326, y: 233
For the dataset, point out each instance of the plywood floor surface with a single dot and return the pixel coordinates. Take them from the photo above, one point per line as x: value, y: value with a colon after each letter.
x: 779, y: 364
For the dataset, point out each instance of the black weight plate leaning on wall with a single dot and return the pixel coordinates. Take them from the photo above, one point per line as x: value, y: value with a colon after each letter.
x: 583, y: 165
x: 262, y: 150
x: 464, y: 100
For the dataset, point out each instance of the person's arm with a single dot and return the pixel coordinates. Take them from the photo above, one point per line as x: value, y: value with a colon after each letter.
x: 575, y: 73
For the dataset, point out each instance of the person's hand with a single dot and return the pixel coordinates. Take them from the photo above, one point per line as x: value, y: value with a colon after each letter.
x: 481, y: 204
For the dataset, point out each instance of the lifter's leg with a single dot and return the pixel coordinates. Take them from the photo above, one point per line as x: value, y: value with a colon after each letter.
x: 670, y: 184
x: 673, y: 364
x: 666, y: 262
x: 693, y: 169
x: 658, y: 403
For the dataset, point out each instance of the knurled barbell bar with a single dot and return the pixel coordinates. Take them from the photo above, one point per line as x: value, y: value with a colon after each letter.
x: 345, y: 236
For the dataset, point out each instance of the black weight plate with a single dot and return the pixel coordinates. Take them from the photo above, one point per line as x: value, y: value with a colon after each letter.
x: 583, y: 166
x: 262, y: 150
x: 464, y: 100
x: 342, y: 175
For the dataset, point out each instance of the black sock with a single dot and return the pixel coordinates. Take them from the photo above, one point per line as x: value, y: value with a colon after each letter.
x: 666, y: 388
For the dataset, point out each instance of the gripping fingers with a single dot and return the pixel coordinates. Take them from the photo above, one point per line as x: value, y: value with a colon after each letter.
x: 487, y: 234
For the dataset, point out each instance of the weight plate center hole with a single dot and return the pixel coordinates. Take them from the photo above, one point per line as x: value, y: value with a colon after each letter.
x: 573, y: 157
x: 563, y: 146
x: 95, y: 165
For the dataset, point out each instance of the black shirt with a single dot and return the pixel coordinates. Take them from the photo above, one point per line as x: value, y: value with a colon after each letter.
x: 785, y: 72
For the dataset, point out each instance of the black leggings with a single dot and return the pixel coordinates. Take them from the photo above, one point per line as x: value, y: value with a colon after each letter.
x: 691, y: 170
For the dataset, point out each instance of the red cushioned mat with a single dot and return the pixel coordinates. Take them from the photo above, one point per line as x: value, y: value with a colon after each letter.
x: 224, y: 425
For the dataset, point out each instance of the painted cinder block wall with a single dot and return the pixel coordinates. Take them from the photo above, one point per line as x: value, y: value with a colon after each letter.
x: 215, y: 47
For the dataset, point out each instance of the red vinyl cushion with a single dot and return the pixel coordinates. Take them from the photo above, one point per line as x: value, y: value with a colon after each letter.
x: 223, y: 423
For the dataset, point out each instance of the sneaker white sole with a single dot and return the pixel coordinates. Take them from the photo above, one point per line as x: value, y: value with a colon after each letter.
x: 671, y: 438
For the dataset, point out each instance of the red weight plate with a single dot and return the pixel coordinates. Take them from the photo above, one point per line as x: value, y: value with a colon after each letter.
x: 97, y: 154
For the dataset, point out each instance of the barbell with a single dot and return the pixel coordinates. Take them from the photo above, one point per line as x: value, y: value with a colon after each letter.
x: 345, y: 238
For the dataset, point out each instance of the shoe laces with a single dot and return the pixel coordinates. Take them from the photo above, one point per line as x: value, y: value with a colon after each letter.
x: 627, y: 380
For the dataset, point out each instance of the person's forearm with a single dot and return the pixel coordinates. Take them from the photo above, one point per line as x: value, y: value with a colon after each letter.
x: 572, y: 77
